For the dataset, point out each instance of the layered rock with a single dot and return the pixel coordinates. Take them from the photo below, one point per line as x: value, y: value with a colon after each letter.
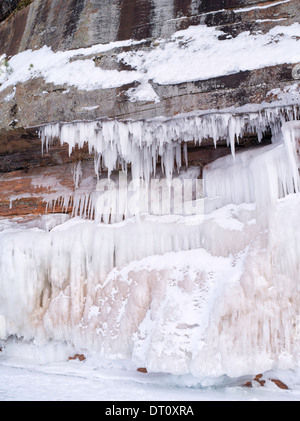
x: 79, y: 23
x: 7, y: 7
x: 176, y: 294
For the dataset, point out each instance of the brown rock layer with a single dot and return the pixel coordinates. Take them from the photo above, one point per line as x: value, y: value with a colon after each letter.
x: 79, y: 357
x: 142, y: 370
x: 261, y: 380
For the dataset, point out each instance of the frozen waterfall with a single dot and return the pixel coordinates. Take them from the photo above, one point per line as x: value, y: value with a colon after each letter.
x: 210, y: 292
x: 155, y: 151
x: 144, y: 143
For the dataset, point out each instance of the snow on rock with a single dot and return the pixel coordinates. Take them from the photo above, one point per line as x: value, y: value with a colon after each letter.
x: 4, y: 69
x: 58, y: 68
x: 197, y: 54
x: 192, y: 54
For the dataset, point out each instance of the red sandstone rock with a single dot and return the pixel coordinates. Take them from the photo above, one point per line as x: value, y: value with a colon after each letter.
x: 79, y: 357
x: 259, y: 379
x: 279, y: 384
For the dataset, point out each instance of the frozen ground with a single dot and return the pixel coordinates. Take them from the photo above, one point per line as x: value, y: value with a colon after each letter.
x: 23, y: 380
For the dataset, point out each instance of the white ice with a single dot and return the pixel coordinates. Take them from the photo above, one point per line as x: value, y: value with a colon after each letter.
x: 116, y: 144
x: 210, y: 296
x: 26, y: 377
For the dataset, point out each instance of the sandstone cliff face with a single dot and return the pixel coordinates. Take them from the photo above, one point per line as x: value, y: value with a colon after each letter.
x: 80, y: 23
x: 72, y: 24
x: 174, y: 282
x: 7, y: 7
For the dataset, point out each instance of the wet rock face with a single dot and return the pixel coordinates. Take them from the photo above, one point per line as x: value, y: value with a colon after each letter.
x: 7, y: 7
x: 135, y: 19
x: 79, y: 23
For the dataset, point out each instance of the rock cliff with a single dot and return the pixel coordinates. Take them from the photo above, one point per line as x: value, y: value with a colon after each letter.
x: 97, y: 98
x: 76, y: 25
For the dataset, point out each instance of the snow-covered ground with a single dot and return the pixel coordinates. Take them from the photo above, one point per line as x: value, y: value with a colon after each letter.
x: 23, y: 380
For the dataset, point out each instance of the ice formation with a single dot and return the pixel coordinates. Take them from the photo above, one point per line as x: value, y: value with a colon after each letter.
x: 209, y: 293
x: 143, y: 143
x: 256, y: 176
x: 157, y: 149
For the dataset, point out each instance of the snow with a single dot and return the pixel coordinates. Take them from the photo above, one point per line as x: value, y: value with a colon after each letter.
x: 94, y: 107
x: 10, y: 96
x: 192, y: 54
x: 266, y: 6
x: 144, y: 92
x: 32, y: 373
x: 58, y: 68
x: 197, y: 54
x: 24, y: 380
x: 241, y: 10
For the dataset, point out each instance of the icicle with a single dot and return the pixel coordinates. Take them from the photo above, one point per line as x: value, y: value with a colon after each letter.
x: 291, y: 132
x: 260, y: 176
x: 141, y: 143
x: 77, y: 173
x: 142, y: 287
